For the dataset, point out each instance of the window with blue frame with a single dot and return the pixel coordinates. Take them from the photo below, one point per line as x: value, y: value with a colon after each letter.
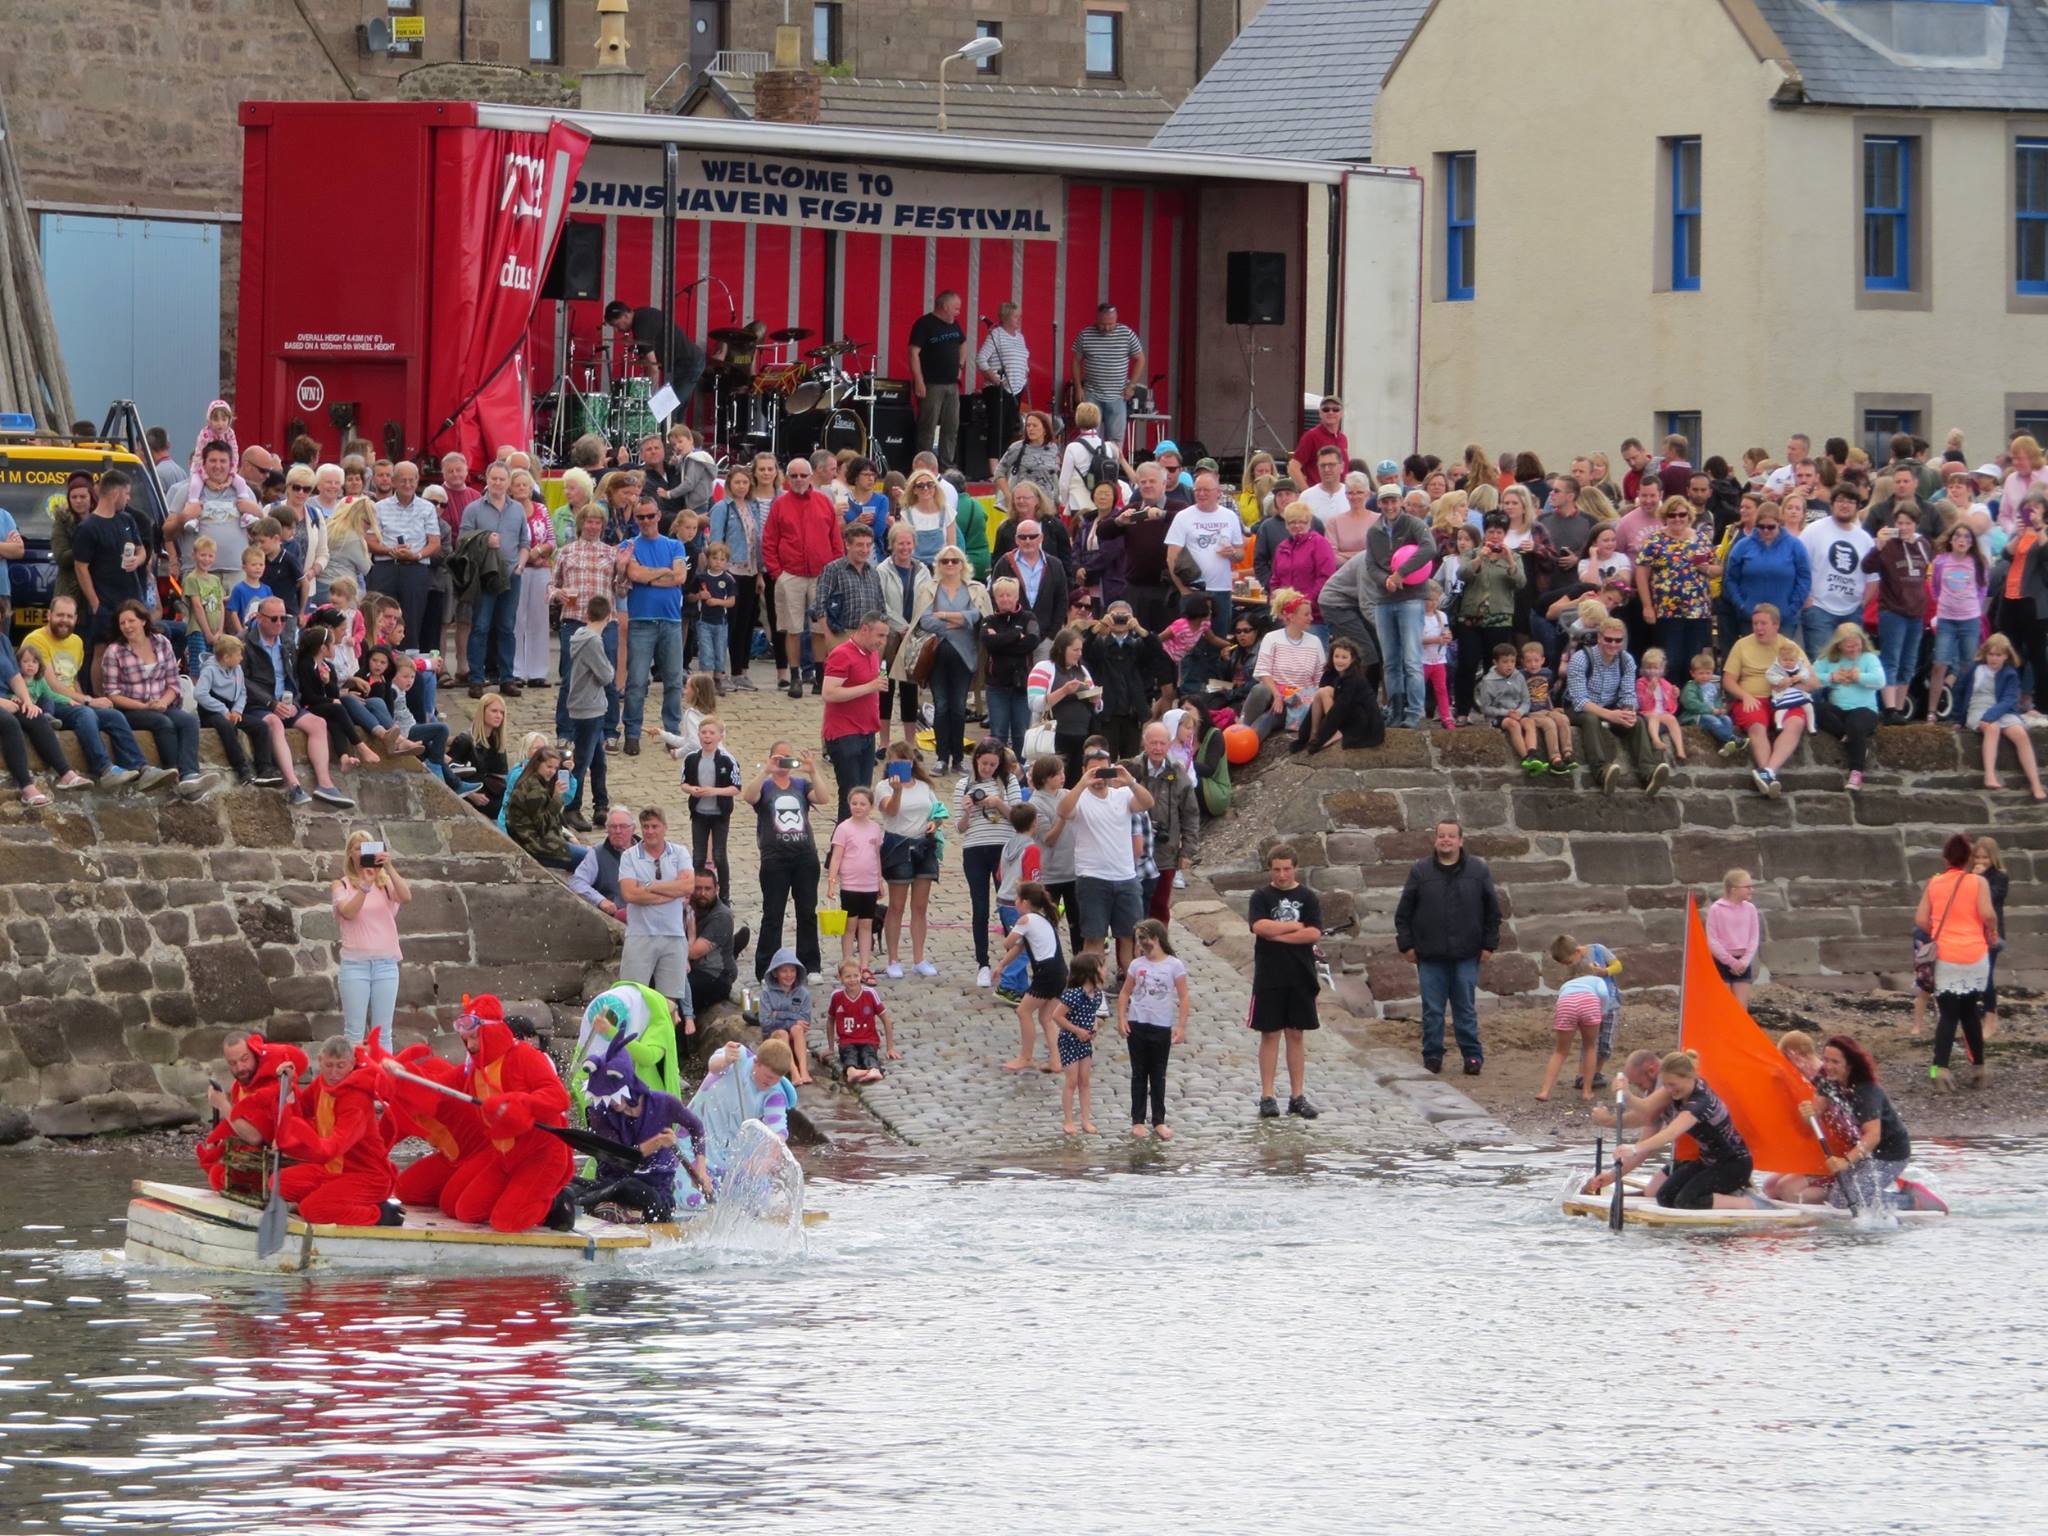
x: 1685, y: 424
x: 1888, y: 213
x: 1460, y: 235
x: 2032, y: 424
x: 1685, y: 214
x: 1881, y: 424
x: 2030, y: 214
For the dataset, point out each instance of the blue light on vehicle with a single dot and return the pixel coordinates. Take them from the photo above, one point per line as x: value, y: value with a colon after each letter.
x: 17, y: 422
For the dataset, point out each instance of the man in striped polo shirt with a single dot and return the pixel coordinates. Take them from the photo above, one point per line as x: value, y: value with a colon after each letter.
x: 1109, y: 360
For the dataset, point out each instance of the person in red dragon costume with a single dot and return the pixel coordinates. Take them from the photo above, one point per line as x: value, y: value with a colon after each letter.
x: 344, y: 1173
x: 453, y: 1129
x: 231, y: 1153
x: 517, y: 1180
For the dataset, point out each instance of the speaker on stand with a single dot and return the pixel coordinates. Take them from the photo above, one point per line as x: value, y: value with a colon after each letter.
x: 1254, y: 294
x: 578, y: 267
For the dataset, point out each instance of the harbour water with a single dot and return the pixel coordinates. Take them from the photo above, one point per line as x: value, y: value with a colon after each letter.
x: 1124, y: 1343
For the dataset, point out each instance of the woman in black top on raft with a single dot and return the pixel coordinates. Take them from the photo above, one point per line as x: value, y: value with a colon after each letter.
x: 1716, y: 1178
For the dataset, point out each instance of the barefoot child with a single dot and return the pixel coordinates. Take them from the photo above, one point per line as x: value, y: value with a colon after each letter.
x: 786, y: 1008
x: 1578, y: 1013
x: 1606, y: 966
x: 1037, y: 939
x: 1075, y: 1016
x: 1658, y: 702
x: 854, y: 877
x: 860, y: 1027
x: 1991, y: 708
x: 1021, y: 860
x: 1152, y: 1013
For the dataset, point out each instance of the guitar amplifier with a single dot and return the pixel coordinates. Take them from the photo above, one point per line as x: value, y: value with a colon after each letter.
x: 893, y: 442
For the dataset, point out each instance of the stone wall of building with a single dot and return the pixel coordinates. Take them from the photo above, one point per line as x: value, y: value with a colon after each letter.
x: 135, y: 931
x: 1838, y: 875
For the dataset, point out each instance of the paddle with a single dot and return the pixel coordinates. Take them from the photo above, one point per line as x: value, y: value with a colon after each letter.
x: 1848, y: 1184
x: 270, y: 1231
x: 582, y: 1141
x: 1620, y: 1110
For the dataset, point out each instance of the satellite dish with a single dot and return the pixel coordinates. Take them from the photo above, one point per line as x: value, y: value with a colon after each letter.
x: 376, y: 35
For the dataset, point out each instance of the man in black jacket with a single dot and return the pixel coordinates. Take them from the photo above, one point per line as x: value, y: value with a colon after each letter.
x: 1447, y: 922
x: 1041, y: 579
x: 1134, y: 673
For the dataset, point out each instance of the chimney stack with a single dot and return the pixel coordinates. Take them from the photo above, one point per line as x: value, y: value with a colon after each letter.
x: 611, y: 86
x: 788, y: 93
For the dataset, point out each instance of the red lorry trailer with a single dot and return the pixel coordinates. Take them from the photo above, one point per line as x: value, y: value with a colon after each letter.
x: 406, y: 279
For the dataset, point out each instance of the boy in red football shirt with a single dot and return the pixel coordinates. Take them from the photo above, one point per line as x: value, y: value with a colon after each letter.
x: 860, y: 1027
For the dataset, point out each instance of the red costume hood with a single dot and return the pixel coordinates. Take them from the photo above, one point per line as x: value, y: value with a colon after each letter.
x: 271, y: 1055
x: 493, y: 1040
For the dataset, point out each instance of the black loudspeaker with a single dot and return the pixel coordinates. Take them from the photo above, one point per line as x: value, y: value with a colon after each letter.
x: 1255, y: 288
x: 578, y: 267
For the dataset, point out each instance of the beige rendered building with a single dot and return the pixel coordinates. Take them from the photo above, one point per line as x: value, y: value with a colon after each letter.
x: 1733, y: 218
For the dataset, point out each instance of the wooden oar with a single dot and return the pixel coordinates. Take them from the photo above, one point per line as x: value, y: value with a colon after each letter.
x: 1620, y: 1111
x: 1848, y: 1184
x: 270, y: 1231
x: 582, y: 1141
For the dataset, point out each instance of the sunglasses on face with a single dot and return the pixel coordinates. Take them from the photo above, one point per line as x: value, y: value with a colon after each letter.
x: 1612, y: 639
x: 1767, y: 527
x: 1029, y: 538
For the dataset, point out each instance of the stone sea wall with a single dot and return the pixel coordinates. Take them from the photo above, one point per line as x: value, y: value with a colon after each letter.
x: 135, y: 931
x: 1838, y: 875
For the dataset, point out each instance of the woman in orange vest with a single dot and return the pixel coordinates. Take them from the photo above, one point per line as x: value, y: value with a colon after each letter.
x: 1955, y: 912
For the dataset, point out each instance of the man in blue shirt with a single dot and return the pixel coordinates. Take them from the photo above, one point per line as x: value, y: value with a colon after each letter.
x: 656, y: 567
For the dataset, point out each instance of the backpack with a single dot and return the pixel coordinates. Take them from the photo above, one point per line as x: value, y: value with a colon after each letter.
x: 1212, y: 769
x: 1103, y: 468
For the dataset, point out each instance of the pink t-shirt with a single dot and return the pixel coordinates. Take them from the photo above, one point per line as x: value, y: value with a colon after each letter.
x: 372, y: 934
x: 860, y: 866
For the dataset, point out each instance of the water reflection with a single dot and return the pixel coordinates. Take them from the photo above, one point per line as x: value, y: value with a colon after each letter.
x: 1314, y: 1342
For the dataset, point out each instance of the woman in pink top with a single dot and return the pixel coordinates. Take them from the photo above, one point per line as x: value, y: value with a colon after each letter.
x: 1346, y: 530
x: 366, y: 901
x: 2029, y: 471
x: 1735, y: 933
x: 1304, y: 559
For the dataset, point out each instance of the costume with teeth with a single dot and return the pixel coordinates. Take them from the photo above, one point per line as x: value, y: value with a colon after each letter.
x: 622, y: 1107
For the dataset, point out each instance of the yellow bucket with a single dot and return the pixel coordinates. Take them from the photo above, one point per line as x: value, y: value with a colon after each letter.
x: 831, y: 921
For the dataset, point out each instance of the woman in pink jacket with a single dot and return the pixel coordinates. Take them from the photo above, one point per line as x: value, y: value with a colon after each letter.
x: 1304, y: 559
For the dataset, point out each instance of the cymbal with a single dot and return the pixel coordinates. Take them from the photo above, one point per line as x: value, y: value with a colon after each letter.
x: 732, y: 336
x: 790, y: 333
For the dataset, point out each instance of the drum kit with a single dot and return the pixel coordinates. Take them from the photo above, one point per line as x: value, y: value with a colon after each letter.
x: 764, y: 396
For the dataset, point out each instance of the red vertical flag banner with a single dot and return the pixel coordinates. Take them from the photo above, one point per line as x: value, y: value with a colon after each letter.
x: 503, y: 198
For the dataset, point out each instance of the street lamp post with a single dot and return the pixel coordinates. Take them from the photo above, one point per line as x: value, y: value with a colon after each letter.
x: 977, y: 49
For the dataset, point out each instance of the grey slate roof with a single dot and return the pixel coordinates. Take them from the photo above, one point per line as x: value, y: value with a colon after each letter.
x: 1300, y: 81
x: 1881, y: 53
x: 973, y: 108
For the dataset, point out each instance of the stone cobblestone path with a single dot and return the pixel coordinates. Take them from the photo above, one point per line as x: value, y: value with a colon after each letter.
x: 949, y: 1089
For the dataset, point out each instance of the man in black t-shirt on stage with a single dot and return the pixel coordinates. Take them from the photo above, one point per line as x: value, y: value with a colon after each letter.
x: 651, y: 336
x: 1286, y: 920
x: 936, y: 347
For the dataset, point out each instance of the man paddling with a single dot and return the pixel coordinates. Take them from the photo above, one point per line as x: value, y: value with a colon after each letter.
x: 344, y: 1175
x: 453, y: 1129
x: 232, y: 1152
x: 517, y: 1180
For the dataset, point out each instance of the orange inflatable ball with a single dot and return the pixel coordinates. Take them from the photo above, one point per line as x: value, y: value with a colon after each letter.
x: 1240, y: 745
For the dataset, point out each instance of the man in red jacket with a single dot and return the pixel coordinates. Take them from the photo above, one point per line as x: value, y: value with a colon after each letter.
x: 514, y: 1179
x: 232, y: 1152
x: 344, y: 1173
x: 801, y: 537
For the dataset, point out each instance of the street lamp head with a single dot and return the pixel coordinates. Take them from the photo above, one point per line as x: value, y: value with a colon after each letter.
x: 980, y: 48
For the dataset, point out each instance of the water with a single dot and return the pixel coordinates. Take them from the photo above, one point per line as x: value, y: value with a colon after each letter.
x: 1138, y: 1346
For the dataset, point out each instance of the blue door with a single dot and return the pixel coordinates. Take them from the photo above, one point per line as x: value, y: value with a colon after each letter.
x: 137, y: 303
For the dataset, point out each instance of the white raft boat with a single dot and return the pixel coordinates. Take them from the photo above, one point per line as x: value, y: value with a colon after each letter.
x: 181, y: 1226
x: 1641, y: 1210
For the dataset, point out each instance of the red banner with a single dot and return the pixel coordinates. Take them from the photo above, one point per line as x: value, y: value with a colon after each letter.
x: 502, y: 199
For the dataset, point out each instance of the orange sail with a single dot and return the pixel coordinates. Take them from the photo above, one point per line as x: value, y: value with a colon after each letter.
x: 1763, y: 1091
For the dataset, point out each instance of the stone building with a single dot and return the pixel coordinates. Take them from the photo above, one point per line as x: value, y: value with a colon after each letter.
x: 124, y: 117
x: 1729, y: 218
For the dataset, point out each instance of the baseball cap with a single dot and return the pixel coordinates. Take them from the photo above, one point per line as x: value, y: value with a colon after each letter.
x: 1990, y: 472
x: 1166, y: 446
x: 1386, y: 467
x: 1388, y: 493
x: 1209, y: 464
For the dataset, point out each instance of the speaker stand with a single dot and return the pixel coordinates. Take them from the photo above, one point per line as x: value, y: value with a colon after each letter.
x: 1254, y: 418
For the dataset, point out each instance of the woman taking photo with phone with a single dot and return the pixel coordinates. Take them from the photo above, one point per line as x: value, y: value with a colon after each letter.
x: 366, y: 900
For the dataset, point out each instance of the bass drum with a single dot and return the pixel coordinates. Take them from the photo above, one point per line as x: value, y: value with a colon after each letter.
x: 822, y: 387
x: 635, y: 415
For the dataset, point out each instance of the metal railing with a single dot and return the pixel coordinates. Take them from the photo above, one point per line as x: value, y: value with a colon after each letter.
x: 740, y: 61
